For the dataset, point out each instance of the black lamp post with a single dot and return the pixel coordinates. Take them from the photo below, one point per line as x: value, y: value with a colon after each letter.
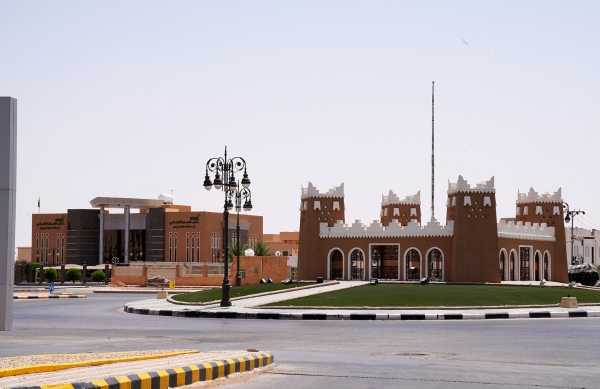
x: 239, y: 194
x: 570, y: 216
x: 225, y: 170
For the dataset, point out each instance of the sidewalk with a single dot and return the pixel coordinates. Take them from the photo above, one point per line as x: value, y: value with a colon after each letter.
x: 160, y: 373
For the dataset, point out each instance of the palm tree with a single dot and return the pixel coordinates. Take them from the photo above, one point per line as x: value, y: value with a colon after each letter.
x: 261, y: 249
x: 233, y: 250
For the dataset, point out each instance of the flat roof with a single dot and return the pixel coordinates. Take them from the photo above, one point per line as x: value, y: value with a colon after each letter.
x: 121, y: 202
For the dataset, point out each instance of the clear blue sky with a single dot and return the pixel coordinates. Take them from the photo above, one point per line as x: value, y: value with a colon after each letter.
x: 131, y: 98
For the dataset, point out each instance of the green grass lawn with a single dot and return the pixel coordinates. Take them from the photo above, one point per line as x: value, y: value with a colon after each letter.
x: 205, y: 296
x: 416, y: 295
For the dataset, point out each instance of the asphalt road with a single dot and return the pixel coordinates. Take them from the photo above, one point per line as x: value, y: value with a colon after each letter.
x: 515, y: 353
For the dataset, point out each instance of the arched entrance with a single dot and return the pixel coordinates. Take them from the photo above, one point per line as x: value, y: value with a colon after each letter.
x: 502, y: 260
x: 336, y: 265
x: 546, y: 266
x: 435, y: 264
x: 357, y: 262
x: 536, y: 266
x: 524, y: 264
x: 511, y: 269
x: 413, y: 265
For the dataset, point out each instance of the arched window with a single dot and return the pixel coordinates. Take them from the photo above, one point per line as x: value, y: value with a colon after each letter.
x: 435, y: 263
x: 413, y: 265
x: 502, y: 260
x: 357, y: 263
x: 536, y: 266
x: 511, y: 269
x: 336, y: 265
x: 546, y: 266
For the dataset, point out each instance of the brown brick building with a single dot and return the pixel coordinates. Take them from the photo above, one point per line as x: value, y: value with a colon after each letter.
x: 159, y: 232
x: 472, y: 247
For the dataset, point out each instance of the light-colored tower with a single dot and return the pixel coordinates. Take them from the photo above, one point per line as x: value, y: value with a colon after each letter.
x: 8, y: 198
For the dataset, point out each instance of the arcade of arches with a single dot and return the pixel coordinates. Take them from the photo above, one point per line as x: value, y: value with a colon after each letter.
x: 385, y: 263
x: 520, y: 266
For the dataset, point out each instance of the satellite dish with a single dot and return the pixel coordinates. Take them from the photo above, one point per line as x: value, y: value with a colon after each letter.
x: 277, y: 254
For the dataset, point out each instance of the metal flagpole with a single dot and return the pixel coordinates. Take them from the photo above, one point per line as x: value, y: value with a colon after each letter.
x: 432, y: 153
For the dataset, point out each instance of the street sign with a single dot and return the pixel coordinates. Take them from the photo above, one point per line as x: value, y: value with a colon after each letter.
x: 51, y: 287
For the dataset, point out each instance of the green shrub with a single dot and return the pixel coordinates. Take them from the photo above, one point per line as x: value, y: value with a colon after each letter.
x: 34, y: 265
x: 262, y: 249
x: 73, y: 275
x: 50, y: 274
x: 98, y: 276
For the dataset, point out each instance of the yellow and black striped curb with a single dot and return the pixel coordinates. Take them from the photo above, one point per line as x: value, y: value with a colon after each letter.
x: 94, y: 362
x: 170, y: 378
x: 50, y: 296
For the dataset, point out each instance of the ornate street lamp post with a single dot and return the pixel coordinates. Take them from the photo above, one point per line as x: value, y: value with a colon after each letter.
x: 239, y: 194
x: 225, y: 170
x: 570, y: 217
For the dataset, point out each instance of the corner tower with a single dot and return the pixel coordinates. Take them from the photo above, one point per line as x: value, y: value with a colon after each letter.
x: 404, y: 211
x: 475, y: 239
x: 547, y: 208
x: 316, y: 208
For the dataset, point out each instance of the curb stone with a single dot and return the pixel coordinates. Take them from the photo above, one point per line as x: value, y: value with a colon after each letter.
x: 345, y: 315
x: 170, y: 378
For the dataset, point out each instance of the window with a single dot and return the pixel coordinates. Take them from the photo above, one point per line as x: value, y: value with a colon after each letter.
x: 193, y: 251
x: 467, y: 200
x: 170, y: 249
x: 175, y: 257
x: 187, y: 248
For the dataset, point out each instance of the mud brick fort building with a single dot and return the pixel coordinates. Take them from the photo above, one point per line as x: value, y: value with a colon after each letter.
x: 472, y: 247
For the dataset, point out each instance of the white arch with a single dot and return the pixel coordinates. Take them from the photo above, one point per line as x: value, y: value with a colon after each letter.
x: 549, y: 265
x: 541, y: 266
x: 516, y: 273
x: 329, y: 261
x: 506, y: 263
x: 420, y: 262
x: 349, y: 277
x: 443, y: 261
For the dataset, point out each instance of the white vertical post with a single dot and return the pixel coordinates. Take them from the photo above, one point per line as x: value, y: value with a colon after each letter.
x: 8, y: 189
x: 101, y: 242
x: 127, y: 209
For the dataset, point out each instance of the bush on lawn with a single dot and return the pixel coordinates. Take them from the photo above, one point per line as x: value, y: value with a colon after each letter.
x: 50, y: 274
x: 98, y: 276
x: 74, y: 275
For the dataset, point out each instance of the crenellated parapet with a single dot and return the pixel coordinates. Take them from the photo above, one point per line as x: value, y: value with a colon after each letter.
x: 393, y: 230
x: 461, y: 185
x: 527, y: 230
x: 533, y: 197
x: 312, y: 191
x: 392, y: 199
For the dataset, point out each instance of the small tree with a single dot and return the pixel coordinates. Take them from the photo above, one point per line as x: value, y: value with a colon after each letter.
x: 261, y: 249
x: 98, y: 276
x: 50, y: 274
x: 233, y: 250
x: 74, y: 274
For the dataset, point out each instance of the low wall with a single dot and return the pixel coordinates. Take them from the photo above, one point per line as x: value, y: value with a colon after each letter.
x: 204, y: 274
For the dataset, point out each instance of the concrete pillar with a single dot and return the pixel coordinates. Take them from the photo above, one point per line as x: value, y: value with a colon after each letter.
x: 101, y: 249
x: 8, y: 198
x: 127, y: 233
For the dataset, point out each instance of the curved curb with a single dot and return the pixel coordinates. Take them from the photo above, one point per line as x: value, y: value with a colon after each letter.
x: 55, y: 367
x: 170, y: 299
x: 363, y: 316
x: 54, y: 296
x: 170, y: 378
x: 311, y: 307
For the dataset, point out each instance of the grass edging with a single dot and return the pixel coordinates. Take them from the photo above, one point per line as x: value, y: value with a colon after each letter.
x: 169, y: 299
x: 420, y: 308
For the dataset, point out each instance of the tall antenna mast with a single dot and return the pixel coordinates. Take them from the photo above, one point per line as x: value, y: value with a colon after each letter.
x: 432, y: 152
